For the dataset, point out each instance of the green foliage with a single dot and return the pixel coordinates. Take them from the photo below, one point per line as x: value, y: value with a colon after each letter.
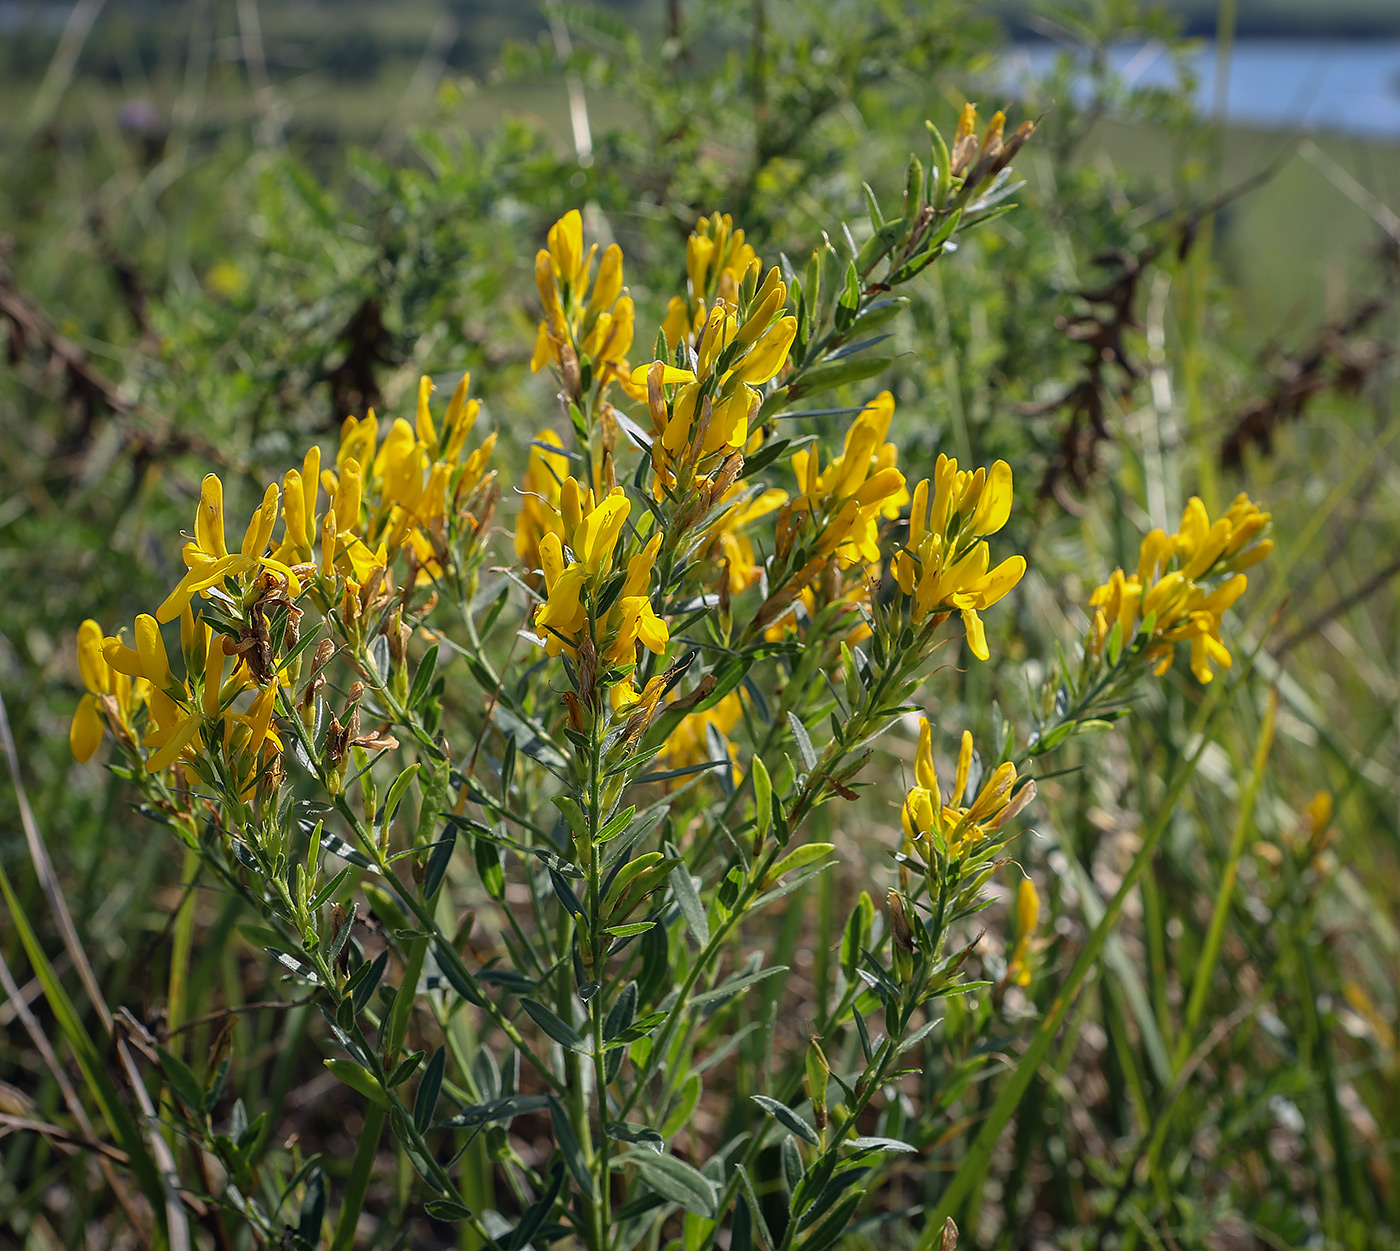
x: 1206, y: 1047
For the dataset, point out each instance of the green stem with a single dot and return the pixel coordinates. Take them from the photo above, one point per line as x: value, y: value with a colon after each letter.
x: 357, y: 1186
x: 973, y: 1169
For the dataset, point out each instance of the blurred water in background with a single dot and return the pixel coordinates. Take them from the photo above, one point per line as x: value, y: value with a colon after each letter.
x: 1349, y: 86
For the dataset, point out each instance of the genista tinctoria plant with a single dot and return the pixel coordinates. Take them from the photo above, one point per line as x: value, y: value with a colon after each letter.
x: 562, y: 773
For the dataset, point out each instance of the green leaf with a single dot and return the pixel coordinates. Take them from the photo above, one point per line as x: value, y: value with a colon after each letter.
x: 329, y: 889
x: 562, y: 1032
x: 689, y: 899
x: 630, y: 930
x: 1114, y: 646
x: 361, y: 990
x: 639, y: 1135
x: 741, y: 1227
x: 834, y: 1224
x: 675, y: 1181
x: 184, y: 1085
x: 489, y: 866
x: 804, y: 743
x: 616, y: 825
x: 313, y: 1208
x: 746, y: 1182
x: 574, y: 815
x: 838, y: 374
x: 569, y: 1147
x: 417, y: 1151
x: 447, y: 1210
x: 397, y: 790
x: 882, y: 1144
x: 788, y: 1119
x: 359, y: 1079
x: 735, y: 985
x: 423, y: 678
x: 848, y: 304
x: 425, y: 1103
x: 438, y: 860
x: 762, y: 798
x: 536, y: 1213
x: 622, y: 1012
x: 857, y: 935
x: 406, y: 1068
x: 920, y: 1034
x: 807, y: 854
x: 498, y: 1111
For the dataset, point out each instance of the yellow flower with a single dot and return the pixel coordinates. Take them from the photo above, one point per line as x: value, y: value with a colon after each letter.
x: 717, y: 259
x: 578, y: 325
x: 1018, y: 968
x: 739, y: 347
x: 857, y: 489
x: 201, y: 703
x: 591, y: 531
x: 689, y: 742
x: 111, y: 694
x: 207, y: 558
x: 396, y: 494
x: 945, y: 563
x: 539, y: 490
x: 731, y: 543
x: 953, y: 828
x: 1184, y: 583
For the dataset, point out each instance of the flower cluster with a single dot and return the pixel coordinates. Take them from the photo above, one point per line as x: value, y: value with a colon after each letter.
x: 584, y: 321
x: 112, y: 697
x: 833, y: 525
x: 862, y: 485
x: 191, y: 718
x: 716, y: 261
x: 731, y: 540
x: 975, y: 160
x: 589, y: 594
x: 705, y: 410
x: 417, y: 480
x: 945, y: 562
x: 1183, y: 585
x: 417, y: 493
x: 947, y: 829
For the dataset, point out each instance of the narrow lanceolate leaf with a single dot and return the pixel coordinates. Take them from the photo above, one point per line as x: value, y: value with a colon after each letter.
x: 359, y: 1079
x: 834, y: 1224
x: 561, y: 1031
x: 689, y: 900
x: 788, y: 1119
x: 536, y: 1213
x: 807, y: 854
x: 417, y: 1151
x: 746, y: 1182
x: 639, y: 1135
x: 882, y: 1144
x: 447, y: 1210
x: 762, y: 798
x: 805, y: 749
x: 438, y: 860
x: 676, y: 1181
x: 397, y: 791
x: 498, y: 1112
x: 425, y: 1105
x: 569, y: 1148
x: 735, y: 985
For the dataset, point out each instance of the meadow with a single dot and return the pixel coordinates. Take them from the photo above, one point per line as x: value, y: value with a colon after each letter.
x: 608, y: 801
